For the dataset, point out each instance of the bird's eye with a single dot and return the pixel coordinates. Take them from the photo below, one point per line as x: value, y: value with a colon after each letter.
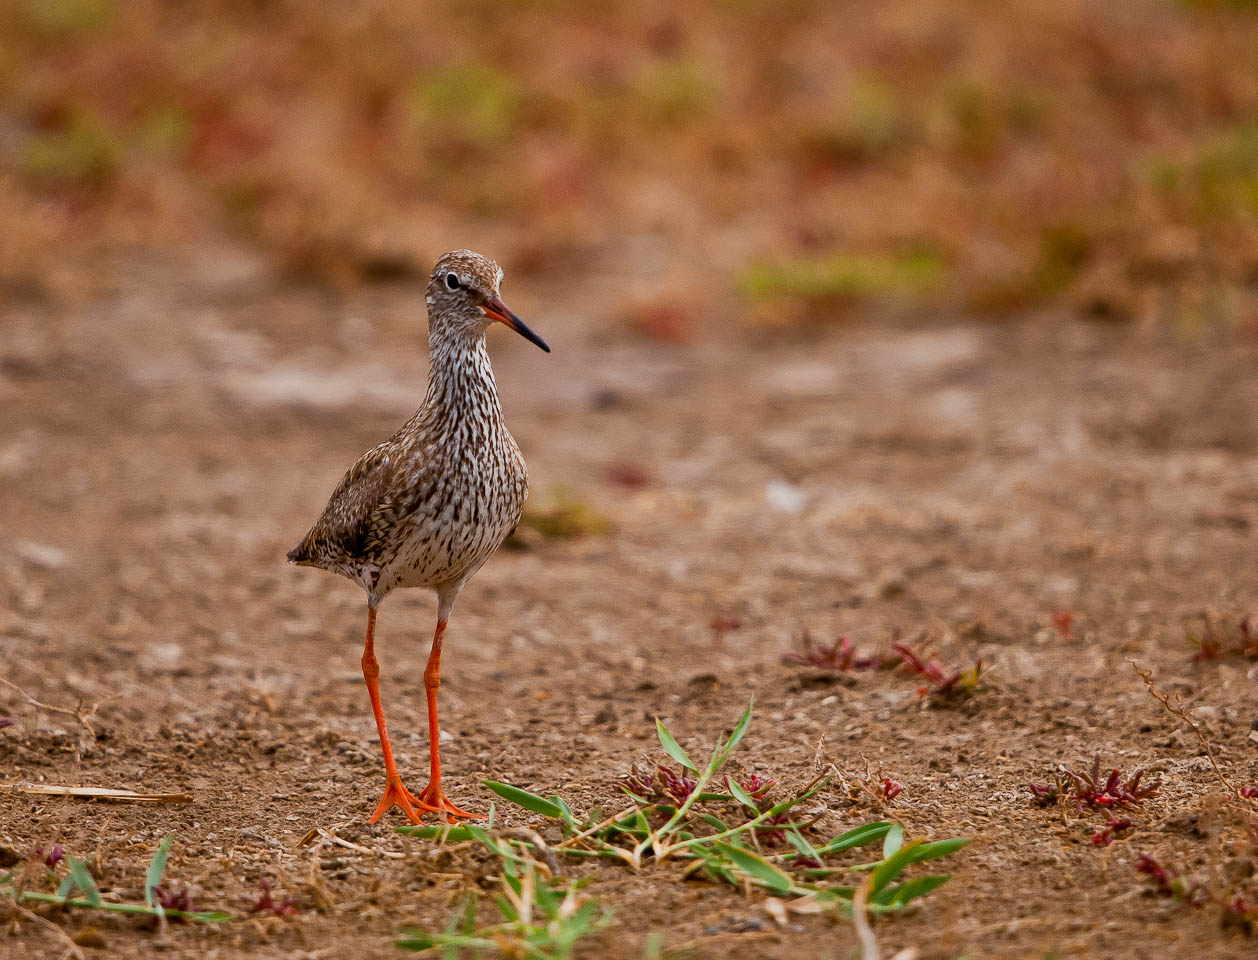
x: 452, y: 281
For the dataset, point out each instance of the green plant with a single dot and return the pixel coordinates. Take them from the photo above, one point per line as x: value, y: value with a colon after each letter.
x: 843, y: 276
x: 673, y: 91
x: 63, y: 18
x: 78, y: 877
x: 730, y: 848
x: 82, y: 152
x: 539, y: 917
x: 559, y: 515
x: 479, y: 102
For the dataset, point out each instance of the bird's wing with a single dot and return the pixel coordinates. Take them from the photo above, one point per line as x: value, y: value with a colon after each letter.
x: 352, y: 521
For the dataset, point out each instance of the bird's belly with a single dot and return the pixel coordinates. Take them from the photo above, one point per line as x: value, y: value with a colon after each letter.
x: 447, y: 547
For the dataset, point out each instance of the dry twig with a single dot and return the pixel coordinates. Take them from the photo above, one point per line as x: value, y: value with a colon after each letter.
x: 83, y: 718
x: 95, y: 793
x: 329, y: 836
x: 72, y: 948
x: 869, y: 943
x: 1176, y: 708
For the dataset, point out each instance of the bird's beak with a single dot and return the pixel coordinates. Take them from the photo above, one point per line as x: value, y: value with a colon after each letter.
x: 495, y: 309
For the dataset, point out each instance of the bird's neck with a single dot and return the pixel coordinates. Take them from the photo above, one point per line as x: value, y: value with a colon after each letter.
x: 460, y: 377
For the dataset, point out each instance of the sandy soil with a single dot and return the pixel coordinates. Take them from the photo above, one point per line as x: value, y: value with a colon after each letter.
x: 161, y: 451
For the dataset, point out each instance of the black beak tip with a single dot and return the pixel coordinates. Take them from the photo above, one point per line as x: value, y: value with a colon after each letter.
x: 523, y: 330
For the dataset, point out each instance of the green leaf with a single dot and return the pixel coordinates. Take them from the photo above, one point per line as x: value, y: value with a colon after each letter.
x: 449, y: 951
x: 740, y: 730
x: 842, y: 895
x: 819, y: 873
x: 506, y: 909
x: 798, y: 841
x: 757, y: 867
x: 672, y: 747
x: 83, y: 880
x: 565, y: 811
x: 938, y: 848
x: 714, y: 821
x: 742, y: 795
x: 911, y: 889
x: 443, y: 832
x: 744, y: 722
x: 858, y: 837
x: 546, y: 899
x: 208, y: 916
x: 415, y: 940
x: 157, y: 867
x: 721, y: 874
x: 132, y: 908
x: 469, y: 916
x: 893, y: 841
x: 892, y: 867
x: 522, y: 798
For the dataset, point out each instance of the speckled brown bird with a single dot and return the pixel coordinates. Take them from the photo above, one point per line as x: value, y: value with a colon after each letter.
x: 428, y: 507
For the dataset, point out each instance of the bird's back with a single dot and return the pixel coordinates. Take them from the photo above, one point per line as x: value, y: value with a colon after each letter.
x: 350, y: 535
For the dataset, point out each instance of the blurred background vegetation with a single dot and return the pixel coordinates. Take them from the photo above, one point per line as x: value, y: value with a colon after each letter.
x: 802, y: 157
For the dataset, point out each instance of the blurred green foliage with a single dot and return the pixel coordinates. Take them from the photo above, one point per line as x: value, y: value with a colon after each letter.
x: 59, y: 18
x: 82, y: 153
x: 1032, y: 151
x: 843, y: 276
x: 673, y: 91
x: 474, y: 101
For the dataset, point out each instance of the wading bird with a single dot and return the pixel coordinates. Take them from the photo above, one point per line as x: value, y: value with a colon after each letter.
x: 428, y: 507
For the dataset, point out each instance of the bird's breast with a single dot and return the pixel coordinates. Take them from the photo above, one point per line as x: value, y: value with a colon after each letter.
x: 471, y: 505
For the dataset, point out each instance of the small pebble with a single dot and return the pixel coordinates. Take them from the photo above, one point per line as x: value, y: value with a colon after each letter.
x: 90, y: 937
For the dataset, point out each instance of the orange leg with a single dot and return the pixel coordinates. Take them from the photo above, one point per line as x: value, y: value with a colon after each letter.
x: 395, y: 795
x: 432, y: 796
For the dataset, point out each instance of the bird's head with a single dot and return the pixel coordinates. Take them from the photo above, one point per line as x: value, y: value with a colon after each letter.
x: 463, y: 293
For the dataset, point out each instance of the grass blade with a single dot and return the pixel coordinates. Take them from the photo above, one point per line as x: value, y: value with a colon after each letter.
x: 742, y: 795
x: 893, y: 841
x: 529, y: 801
x: 938, y: 848
x: 216, y: 916
x: 740, y: 730
x: 565, y: 812
x: 157, y: 867
x: 672, y: 747
x: 415, y: 940
x: 756, y: 866
x: 744, y: 722
x: 902, y: 893
x: 892, y: 867
x: 83, y: 880
x: 858, y: 837
x: 443, y: 832
x: 798, y: 841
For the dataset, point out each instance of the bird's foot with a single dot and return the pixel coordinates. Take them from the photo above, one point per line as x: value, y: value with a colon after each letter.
x: 396, y: 795
x: 433, y: 798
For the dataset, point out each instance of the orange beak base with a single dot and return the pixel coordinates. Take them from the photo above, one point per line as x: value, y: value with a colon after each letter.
x: 495, y: 309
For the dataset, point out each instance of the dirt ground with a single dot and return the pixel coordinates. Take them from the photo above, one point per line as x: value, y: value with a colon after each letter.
x: 162, y: 449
